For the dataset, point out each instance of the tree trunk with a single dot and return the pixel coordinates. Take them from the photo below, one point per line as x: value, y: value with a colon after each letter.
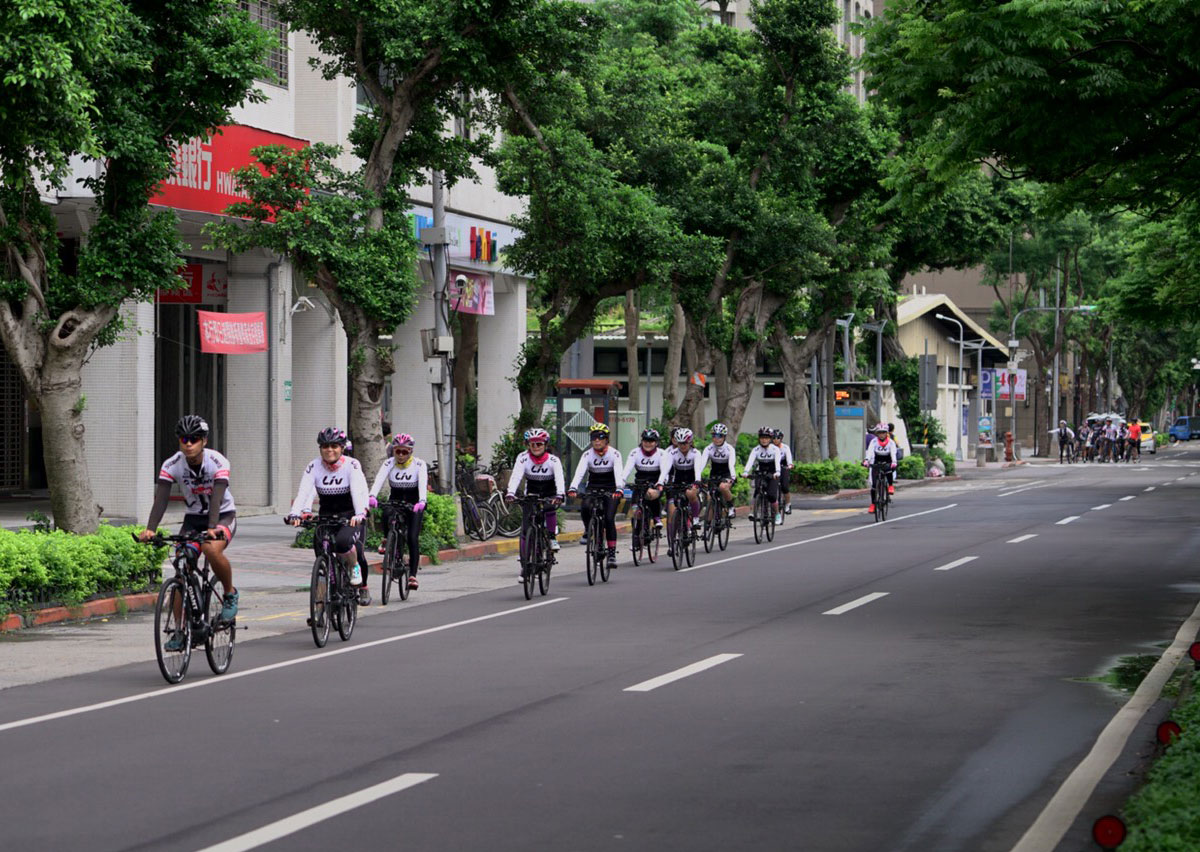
x: 827, y: 381
x: 794, y: 358
x: 722, y: 381
x: 670, y: 386
x: 631, y: 349
x: 62, y: 405
x: 755, y: 308
x: 464, y: 372
x: 691, y: 353
x: 370, y: 367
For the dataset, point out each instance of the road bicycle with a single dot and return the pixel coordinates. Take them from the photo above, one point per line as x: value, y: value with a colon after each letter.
x: 645, y: 534
x: 764, y: 516
x: 395, y: 551
x: 332, y: 599
x: 681, y: 540
x: 879, y: 491
x: 189, y: 609
x: 716, y: 517
x: 597, y: 549
x: 536, y: 555
x: 508, y: 517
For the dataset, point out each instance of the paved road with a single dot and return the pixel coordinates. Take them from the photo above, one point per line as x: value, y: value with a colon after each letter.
x: 906, y: 686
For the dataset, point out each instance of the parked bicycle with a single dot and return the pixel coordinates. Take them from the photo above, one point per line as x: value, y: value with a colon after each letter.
x: 715, y: 513
x: 681, y: 540
x: 508, y: 517
x: 395, y: 567
x: 332, y: 599
x: 597, y: 549
x: 879, y: 491
x: 536, y: 555
x: 646, y: 536
x: 764, y: 515
x: 188, y: 611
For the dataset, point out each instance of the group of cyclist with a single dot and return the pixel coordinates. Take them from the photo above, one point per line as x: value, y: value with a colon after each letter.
x: 1100, y: 440
x: 649, y: 470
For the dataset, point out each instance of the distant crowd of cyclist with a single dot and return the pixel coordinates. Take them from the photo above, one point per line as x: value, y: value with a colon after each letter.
x: 1101, y: 440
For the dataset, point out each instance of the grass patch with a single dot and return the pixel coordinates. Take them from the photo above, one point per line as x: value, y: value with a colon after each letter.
x: 1129, y: 672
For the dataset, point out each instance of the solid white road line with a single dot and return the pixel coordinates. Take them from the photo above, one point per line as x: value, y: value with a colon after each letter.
x: 1101, y: 506
x: 855, y: 604
x: 956, y: 563
x: 1022, y: 538
x: 1130, y: 497
x: 230, y: 677
x: 312, y: 816
x: 680, y: 674
x: 1066, y: 520
x: 1058, y: 815
x: 1181, y: 478
x: 1150, y: 488
x: 1026, y: 488
x: 864, y: 528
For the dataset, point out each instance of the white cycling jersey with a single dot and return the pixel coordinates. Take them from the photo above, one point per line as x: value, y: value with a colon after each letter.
x: 603, y: 471
x: 680, y: 468
x: 643, y: 466
x: 342, y: 488
x: 785, y: 455
x: 721, y: 458
x: 877, y: 452
x: 543, y: 476
x: 196, y: 484
x: 409, y: 483
x: 768, y: 456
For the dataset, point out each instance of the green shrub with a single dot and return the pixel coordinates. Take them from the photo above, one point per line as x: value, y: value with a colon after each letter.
x: 947, y: 459
x: 746, y: 442
x: 506, y: 450
x: 852, y: 475
x: 68, y: 568
x: 926, y: 429
x: 1161, y: 439
x: 823, y: 477
x: 741, y: 491
x: 911, y: 467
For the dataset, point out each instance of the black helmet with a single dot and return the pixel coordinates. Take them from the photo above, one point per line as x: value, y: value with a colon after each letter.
x: 191, y: 426
x: 650, y: 435
x: 332, y: 435
x: 766, y: 432
x: 778, y: 433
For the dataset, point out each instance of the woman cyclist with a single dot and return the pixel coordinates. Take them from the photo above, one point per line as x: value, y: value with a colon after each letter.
x: 338, y: 480
x: 720, y: 455
x: 645, y: 466
x: 602, y: 464
x: 682, y: 467
x: 766, y: 458
x: 785, y: 470
x: 882, y: 449
x: 408, y: 477
x: 543, y: 475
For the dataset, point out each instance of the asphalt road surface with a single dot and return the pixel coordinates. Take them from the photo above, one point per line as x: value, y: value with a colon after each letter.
x: 914, y: 685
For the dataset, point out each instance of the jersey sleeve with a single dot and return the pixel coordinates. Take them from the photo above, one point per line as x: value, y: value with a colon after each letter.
x: 518, y: 471
x: 579, y: 469
x: 381, y: 477
x: 705, y: 459
x: 358, y: 488
x: 166, y: 473
x: 619, y: 471
x: 222, y: 467
x: 558, y: 477
x: 664, y: 469
x: 871, y: 445
x: 750, y: 461
x: 696, y: 468
x: 629, y: 463
x: 308, y: 491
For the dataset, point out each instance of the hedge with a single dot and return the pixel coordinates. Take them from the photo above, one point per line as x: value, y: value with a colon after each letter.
x: 61, y: 567
x: 437, y: 533
x: 826, y: 477
x: 911, y: 467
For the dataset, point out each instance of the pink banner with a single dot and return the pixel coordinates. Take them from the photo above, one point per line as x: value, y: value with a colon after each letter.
x: 232, y: 334
x: 474, y: 296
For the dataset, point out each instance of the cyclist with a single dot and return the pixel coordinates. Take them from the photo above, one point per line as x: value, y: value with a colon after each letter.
x: 1066, y: 440
x: 881, y: 448
x: 605, y: 472
x: 645, y: 466
x: 785, y: 473
x: 1108, y: 452
x: 203, y: 477
x: 543, y: 475
x: 680, y: 467
x: 720, y: 455
x: 408, y: 477
x: 338, y: 480
x: 359, y: 545
x: 766, y: 457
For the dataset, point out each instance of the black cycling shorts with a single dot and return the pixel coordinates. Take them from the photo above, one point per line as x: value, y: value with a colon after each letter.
x: 226, y: 521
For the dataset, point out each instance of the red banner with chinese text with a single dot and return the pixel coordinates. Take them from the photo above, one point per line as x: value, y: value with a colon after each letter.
x: 232, y: 334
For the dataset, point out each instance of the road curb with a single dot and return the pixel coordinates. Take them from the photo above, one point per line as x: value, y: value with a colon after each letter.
x: 84, y: 612
x: 900, y: 483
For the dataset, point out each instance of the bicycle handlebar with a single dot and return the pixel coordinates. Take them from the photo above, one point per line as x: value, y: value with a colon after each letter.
x: 159, y: 540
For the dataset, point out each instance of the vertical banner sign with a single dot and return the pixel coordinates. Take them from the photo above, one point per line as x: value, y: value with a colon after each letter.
x: 987, y: 384
x: 985, y: 432
x: 232, y: 334
x: 1002, y: 381
x: 473, y: 297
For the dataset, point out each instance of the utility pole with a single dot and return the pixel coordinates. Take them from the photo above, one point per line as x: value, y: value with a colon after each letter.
x: 440, y: 380
x: 1054, y: 374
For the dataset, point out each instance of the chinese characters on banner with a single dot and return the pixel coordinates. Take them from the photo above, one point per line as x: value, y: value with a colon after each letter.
x: 473, y: 297
x: 206, y: 284
x: 232, y: 334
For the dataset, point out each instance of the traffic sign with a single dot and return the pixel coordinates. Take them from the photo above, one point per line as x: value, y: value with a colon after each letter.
x: 579, y: 429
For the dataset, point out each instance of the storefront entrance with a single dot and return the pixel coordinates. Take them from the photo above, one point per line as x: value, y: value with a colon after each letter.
x: 187, y: 380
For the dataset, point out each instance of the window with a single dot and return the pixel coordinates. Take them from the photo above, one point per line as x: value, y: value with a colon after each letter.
x: 264, y: 13
x: 773, y: 390
x: 609, y: 362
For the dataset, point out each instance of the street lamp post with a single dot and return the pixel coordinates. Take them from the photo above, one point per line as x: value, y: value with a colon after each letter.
x: 958, y: 448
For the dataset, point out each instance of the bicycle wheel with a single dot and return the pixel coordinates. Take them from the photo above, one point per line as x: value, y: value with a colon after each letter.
x: 543, y: 574
x: 385, y: 570
x: 880, y: 505
x: 655, y: 538
x: 590, y: 555
x: 402, y: 571
x: 347, y: 606
x: 760, y: 517
x: 710, y: 525
x: 638, y: 537
x: 508, y: 517
x: 723, y: 532
x: 770, y: 523
x: 487, y: 520
x: 167, y: 625
x: 674, y: 546
x: 218, y: 647
x: 472, y: 519
x: 689, y: 545
x: 529, y: 569
x: 319, y: 616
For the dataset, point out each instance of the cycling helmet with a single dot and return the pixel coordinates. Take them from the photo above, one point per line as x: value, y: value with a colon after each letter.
x: 650, y: 435
x: 766, y: 432
x: 536, y: 434
x: 879, y: 427
x: 778, y: 433
x: 599, y: 430
x: 191, y: 426
x: 332, y: 435
x: 401, y: 439
x: 683, y: 435
x: 720, y: 430
x: 349, y: 447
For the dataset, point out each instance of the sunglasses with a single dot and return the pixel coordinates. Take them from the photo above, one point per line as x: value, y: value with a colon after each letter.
x: 537, y: 443
x: 191, y: 439
x: 402, y: 452
x: 329, y: 446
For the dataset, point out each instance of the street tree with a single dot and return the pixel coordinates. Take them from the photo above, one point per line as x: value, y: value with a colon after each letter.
x: 121, y: 84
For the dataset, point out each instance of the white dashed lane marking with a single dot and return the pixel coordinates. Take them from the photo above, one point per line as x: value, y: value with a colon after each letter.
x: 1022, y: 538
x: 1067, y: 520
x: 956, y: 563
x: 855, y: 604
x: 1101, y: 506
